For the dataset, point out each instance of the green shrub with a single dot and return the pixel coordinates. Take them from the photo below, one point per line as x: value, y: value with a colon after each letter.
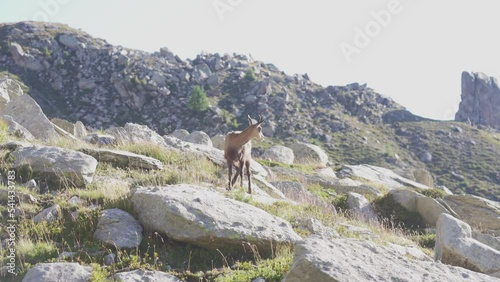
x: 433, y: 193
x: 395, y: 215
x: 250, y: 74
x: 425, y: 240
x: 198, y: 102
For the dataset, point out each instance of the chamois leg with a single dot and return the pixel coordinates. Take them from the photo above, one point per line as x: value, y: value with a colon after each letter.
x: 230, y: 169
x: 249, y: 176
x: 235, y: 176
x: 242, y: 165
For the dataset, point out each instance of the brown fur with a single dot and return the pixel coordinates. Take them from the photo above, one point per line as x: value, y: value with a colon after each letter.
x: 237, y: 151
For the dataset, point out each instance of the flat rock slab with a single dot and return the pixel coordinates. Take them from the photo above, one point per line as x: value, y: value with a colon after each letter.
x: 124, y: 159
x: 55, y: 272
x: 118, y: 228
x: 140, y: 275
x: 379, y: 175
x: 195, y: 215
x: 479, y: 212
x: 318, y: 259
x: 60, y: 167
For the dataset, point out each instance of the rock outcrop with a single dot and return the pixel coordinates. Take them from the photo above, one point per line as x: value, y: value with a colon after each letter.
x: 318, y: 259
x: 478, y: 212
x: 119, y: 229
x: 140, y: 275
x: 25, y: 111
x: 57, y: 166
x: 61, y: 271
x: 280, y: 154
x: 455, y: 245
x: 427, y: 207
x: 480, y: 103
x: 123, y: 159
x: 195, y: 215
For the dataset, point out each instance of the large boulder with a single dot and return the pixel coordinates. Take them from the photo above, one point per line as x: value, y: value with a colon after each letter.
x: 57, y: 166
x: 280, y: 154
x: 218, y: 141
x: 180, y: 133
x: 132, y: 133
x: 9, y: 89
x: 379, y: 175
x: 195, y: 215
x: 25, y: 111
x: 123, y: 158
x: 427, y: 207
x: 455, y: 246
x: 361, y: 207
x: 478, y: 212
x: 309, y: 154
x: 480, y: 100
x: 60, y: 271
x: 141, y: 275
x: 119, y: 229
x: 16, y: 129
x: 320, y: 259
x: 198, y: 137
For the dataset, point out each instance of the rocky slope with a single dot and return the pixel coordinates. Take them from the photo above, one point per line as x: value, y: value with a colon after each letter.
x: 77, y: 77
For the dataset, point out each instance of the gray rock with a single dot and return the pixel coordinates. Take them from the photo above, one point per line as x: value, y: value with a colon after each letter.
x: 480, y: 100
x: 326, y: 172
x: 455, y: 246
x: 379, y: 175
x: 80, y: 130
x: 280, y: 154
x: 141, y: 275
x: 361, y: 207
x: 136, y: 134
x: 24, y: 59
x: 9, y: 89
x: 296, y: 192
x: 218, y: 141
x: 318, y: 259
x: 180, y: 133
x: 109, y: 259
x: 58, y: 272
x: 478, y: 212
x: 124, y: 159
x: 69, y: 41
x: 64, y: 124
x: 100, y: 139
x: 309, y: 154
x: 49, y: 214
x: 25, y: 111
x: 317, y: 228
x: 118, y: 228
x: 424, y: 177
x: 487, y: 239
x: 16, y: 129
x: 195, y: 215
x: 426, y: 157
x: 259, y: 279
x: 59, y: 167
x: 198, y: 137
x: 427, y: 207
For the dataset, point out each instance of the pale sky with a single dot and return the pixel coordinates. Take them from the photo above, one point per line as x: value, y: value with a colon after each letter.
x: 411, y: 51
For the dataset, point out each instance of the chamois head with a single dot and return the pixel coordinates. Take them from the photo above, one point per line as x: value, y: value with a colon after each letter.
x: 255, y: 128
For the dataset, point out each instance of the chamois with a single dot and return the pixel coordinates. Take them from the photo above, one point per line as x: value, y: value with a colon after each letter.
x: 237, y: 150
